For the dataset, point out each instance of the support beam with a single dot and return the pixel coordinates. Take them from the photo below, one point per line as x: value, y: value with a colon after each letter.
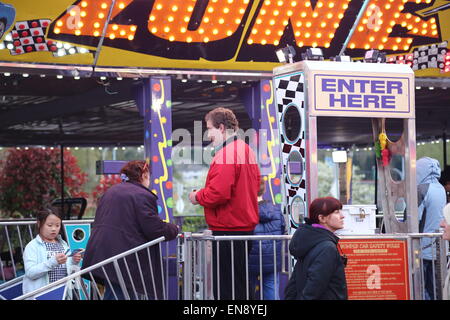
x: 158, y: 141
x: 269, y: 142
x: 443, y: 82
x: 444, y: 143
x: 156, y: 105
x: 252, y: 103
x: 65, y: 106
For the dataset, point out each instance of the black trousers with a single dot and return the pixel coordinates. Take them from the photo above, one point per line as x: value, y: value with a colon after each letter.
x: 222, y: 254
x: 431, y: 280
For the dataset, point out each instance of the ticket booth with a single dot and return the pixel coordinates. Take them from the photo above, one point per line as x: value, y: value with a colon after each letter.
x: 307, y: 90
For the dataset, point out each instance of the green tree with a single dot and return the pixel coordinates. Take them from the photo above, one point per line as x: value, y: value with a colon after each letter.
x: 325, y: 176
x: 363, y: 192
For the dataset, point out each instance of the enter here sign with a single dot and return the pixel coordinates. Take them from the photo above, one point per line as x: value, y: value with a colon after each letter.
x: 362, y: 96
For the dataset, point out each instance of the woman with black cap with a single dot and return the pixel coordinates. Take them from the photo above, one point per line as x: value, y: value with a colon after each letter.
x: 319, y: 272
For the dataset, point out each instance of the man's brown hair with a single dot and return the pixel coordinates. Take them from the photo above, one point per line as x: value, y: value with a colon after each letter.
x: 223, y: 116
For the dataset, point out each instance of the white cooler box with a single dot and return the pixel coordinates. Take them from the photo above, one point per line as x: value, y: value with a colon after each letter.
x: 359, y: 219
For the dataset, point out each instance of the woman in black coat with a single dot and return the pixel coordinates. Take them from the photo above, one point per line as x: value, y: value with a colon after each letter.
x: 319, y: 272
x: 127, y: 217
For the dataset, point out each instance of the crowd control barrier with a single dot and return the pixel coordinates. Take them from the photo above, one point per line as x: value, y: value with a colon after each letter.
x: 385, y: 267
x: 147, y: 282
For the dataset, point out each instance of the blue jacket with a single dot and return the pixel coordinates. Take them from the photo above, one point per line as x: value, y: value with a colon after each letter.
x: 271, y: 222
x: 428, y: 171
x: 37, y: 266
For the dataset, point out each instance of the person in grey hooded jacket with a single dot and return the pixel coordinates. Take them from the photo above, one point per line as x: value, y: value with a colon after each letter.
x: 431, y: 200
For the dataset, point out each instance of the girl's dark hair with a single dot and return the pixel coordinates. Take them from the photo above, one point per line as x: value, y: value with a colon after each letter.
x: 135, y: 169
x: 322, y: 206
x: 42, y: 216
x: 262, y: 187
x: 223, y: 116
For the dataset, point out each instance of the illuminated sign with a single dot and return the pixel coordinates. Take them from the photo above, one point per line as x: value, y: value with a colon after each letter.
x: 227, y: 34
x: 377, y: 269
x: 361, y: 95
x: 89, y: 17
x: 205, y: 21
x: 240, y: 26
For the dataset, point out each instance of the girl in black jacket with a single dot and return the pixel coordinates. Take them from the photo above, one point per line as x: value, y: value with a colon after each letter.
x: 319, y: 271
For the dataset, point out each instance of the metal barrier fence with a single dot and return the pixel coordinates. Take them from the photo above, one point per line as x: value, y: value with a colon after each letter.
x: 439, y: 249
x: 196, y: 260
x: 198, y: 280
x: 14, y: 236
x: 136, y: 274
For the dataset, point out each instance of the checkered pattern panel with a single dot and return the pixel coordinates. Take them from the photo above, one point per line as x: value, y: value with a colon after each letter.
x: 290, y: 92
x: 29, y: 36
x: 431, y: 56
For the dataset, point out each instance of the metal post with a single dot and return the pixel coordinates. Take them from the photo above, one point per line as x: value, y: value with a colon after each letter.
x: 355, y: 24
x: 442, y: 263
x: 121, y: 281
x: 218, y: 269
x: 209, y: 271
x: 10, y: 251
x: 412, y: 220
x: 415, y: 268
x: 246, y: 271
x: 187, y: 267
x: 311, y: 160
x: 275, y: 273
x: 232, y: 272
x: 444, y: 141
x: 260, y: 272
x: 62, y: 183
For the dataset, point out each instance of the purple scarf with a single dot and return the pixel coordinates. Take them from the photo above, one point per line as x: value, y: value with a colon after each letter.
x: 316, y: 225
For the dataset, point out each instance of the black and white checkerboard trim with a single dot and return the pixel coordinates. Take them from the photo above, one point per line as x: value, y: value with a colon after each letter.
x: 430, y: 56
x: 289, y: 91
x: 29, y: 36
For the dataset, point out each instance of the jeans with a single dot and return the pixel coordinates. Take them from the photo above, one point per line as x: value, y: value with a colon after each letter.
x: 270, y: 292
x: 431, y: 281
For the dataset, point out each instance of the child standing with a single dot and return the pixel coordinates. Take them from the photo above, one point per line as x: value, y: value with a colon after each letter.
x: 271, y: 222
x: 44, y: 256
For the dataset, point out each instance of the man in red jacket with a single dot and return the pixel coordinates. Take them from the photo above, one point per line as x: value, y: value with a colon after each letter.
x: 230, y: 201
